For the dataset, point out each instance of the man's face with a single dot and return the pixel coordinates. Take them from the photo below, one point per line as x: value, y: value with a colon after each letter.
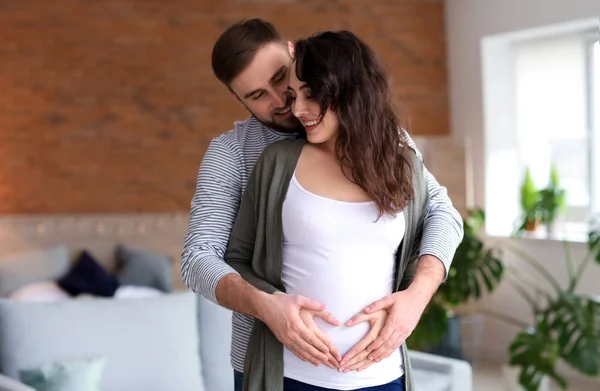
x: 263, y: 88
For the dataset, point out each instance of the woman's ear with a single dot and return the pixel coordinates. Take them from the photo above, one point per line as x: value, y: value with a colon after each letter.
x: 291, y: 48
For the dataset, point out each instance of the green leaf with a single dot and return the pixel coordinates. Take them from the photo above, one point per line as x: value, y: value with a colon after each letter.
x: 536, y: 353
x: 594, y: 244
x: 474, y: 271
x: 431, y: 328
x: 529, y: 193
x: 576, y: 319
x: 554, y: 178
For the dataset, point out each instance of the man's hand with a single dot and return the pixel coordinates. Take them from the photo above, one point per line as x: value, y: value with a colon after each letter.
x: 356, y: 358
x: 404, y: 311
x: 295, y: 328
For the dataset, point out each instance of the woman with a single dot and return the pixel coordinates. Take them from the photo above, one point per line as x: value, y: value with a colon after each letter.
x: 335, y: 216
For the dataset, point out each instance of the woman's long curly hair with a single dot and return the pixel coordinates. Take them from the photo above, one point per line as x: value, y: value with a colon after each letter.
x: 345, y: 76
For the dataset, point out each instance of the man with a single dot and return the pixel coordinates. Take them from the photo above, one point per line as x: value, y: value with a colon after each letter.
x: 253, y: 61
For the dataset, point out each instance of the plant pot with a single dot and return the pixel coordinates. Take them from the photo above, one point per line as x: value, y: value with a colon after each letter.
x: 510, y: 375
x: 451, y: 344
x: 532, y: 225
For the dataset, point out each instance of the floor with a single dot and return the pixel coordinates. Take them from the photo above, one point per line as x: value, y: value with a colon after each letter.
x: 488, y: 377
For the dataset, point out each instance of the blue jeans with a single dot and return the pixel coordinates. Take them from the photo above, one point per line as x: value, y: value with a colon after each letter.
x: 293, y: 385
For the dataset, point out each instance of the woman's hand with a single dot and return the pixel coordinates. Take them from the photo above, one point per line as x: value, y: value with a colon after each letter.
x: 308, y: 317
x: 357, y: 357
x: 282, y: 314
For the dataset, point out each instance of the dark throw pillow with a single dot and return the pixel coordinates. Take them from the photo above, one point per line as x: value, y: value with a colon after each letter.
x: 87, y: 276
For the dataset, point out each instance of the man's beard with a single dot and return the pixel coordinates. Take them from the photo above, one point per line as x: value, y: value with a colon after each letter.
x: 294, y: 126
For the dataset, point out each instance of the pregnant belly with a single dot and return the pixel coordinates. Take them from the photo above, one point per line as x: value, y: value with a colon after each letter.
x: 343, y: 307
x: 344, y: 298
x: 343, y: 337
x: 346, y: 284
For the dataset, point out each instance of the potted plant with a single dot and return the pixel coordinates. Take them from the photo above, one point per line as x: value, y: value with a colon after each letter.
x: 475, y: 270
x: 552, y: 200
x: 540, y: 206
x: 530, y: 210
x: 566, y: 324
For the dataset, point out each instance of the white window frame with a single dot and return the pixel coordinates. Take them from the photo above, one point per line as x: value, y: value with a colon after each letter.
x: 593, y: 115
x: 504, y: 167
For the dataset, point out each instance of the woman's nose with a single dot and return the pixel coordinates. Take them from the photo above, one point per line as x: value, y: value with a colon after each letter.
x: 298, y: 108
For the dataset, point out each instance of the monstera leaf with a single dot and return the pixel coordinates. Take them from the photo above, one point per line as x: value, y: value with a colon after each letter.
x: 576, y: 319
x: 536, y: 353
x: 432, y: 327
x: 594, y: 244
x: 474, y: 271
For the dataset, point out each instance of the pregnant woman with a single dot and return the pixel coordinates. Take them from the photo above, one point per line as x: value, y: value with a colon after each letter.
x: 335, y: 216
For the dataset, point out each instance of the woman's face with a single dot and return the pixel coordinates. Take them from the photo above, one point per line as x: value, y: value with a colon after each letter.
x: 319, y: 129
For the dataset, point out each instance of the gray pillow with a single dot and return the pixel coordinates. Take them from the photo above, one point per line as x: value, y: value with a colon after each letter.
x: 144, y: 268
x: 18, y: 270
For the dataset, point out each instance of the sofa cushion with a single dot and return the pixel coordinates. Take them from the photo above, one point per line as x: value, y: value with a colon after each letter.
x: 40, y: 291
x: 10, y: 384
x: 20, y: 269
x: 144, y: 268
x: 87, y: 276
x: 215, y: 345
x: 150, y: 344
x: 71, y: 375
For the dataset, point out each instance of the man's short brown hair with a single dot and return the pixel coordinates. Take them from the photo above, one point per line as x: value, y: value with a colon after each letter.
x: 236, y: 47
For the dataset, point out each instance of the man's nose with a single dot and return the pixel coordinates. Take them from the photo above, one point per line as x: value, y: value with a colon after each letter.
x: 279, y: 100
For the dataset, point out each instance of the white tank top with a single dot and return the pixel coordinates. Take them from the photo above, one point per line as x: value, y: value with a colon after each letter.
x: 335, y: 252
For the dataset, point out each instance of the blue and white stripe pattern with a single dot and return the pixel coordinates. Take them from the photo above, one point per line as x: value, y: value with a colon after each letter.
x: 222, y: 178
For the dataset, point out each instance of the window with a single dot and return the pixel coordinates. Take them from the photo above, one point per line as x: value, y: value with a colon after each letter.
x: 542, y: 107
x: 594, y: 109
x: 552, y: 116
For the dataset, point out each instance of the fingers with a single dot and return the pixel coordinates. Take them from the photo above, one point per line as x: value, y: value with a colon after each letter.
x: 300, y: 354
x: 361, y: 346
x: 331, y: 349
x: 327, y: 317
x: 302, y: 341
x: 356, y: 352
x: 365, y: 364
x: 301, y: 351
x: 351, y: 364
x: 332, y: 362
x: 311, y: 338
x: 380, y: 304
x: 383, y: 337
x: 387, y: 348
x: 356, y: 319
x: 310, y: 304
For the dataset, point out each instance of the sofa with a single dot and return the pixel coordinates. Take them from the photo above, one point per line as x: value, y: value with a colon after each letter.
x: 140, y: 333
x: 177, y: 342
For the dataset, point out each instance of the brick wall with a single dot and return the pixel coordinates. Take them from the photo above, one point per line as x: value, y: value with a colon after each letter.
x: 108, y: 106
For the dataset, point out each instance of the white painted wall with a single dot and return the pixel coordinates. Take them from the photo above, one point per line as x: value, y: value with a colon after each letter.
x: 467, y: 23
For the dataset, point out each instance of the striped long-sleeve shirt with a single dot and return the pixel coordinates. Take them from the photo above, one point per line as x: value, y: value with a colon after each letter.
x: 222, y: 178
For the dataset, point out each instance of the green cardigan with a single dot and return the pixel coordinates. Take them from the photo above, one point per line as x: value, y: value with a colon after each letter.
x: 255, y: 251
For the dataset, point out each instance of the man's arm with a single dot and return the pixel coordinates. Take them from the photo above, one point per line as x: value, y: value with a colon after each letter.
x: 213, y: 211
x: 442, y: 225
